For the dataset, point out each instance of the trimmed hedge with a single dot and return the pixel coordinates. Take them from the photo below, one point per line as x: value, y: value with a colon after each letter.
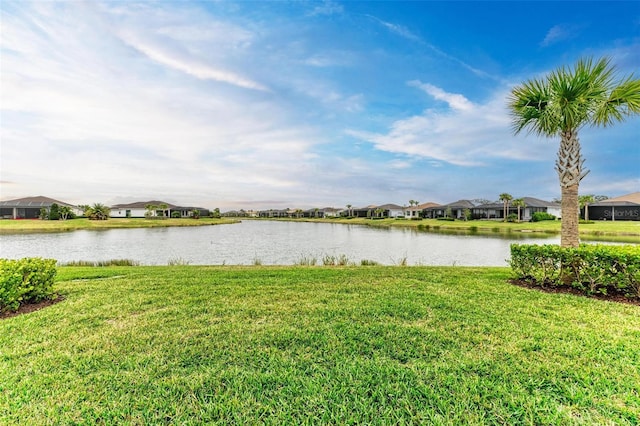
x: 590, y: 268
x: 25, y: 281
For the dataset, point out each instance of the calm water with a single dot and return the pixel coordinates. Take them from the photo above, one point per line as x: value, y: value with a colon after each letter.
x: 270, y: 243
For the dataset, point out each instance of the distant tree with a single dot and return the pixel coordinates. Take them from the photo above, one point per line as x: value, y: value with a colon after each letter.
x: 65, y: 212
x: 466, y: 214
x: 584, y: 201
x: 54, y: 212
x: 164, y: 213
x: 349, y: 210
x: 519, y: 202
x: 559, y: 105
x: 97, y: 212
x: 448, y: 213
x: 150, y: 210
x: 44, y: 213
x: 216, y: 213
x: 505, y: 198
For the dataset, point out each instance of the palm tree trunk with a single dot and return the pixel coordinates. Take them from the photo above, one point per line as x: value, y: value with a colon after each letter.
x: 569, y: 234
x: 569, y: 168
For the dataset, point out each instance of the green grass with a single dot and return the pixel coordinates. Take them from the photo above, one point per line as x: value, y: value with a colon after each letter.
x: 15, y: 226
x: 317, y: 345
x: 623, y: 231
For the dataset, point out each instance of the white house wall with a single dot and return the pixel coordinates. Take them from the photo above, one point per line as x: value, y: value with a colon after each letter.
x: 123, y: 212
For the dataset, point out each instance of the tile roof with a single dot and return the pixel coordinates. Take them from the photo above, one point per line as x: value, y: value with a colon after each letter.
x: 33, y: 202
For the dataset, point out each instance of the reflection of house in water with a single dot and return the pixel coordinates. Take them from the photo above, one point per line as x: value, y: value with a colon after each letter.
x: 625, y: 207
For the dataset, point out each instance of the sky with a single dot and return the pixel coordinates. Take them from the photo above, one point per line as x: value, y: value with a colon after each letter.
x: 297, y: 104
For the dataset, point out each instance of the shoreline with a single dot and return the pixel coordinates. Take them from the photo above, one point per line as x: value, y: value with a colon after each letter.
x: 627, y: 232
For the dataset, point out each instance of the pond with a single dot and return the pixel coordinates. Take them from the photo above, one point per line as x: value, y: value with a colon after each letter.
x: 267, y: 243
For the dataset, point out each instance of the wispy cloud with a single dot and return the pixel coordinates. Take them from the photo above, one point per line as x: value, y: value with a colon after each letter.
x: 455, y: 101
x: 397, y: 29
x: 182, y: 62
x: 559, y: 33
x: 464, y: 134
x: 328, y: 7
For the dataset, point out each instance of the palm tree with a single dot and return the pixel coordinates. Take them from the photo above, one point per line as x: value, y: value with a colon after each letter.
x: 349, y: 209
x: 505, y: 198
x: 97, y: 212
x: 560, y: 105
x: 584, y: 201
x: 519, y: 202
x: 151, y: 208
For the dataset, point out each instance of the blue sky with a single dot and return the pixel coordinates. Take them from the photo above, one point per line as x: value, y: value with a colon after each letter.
x: 297, y: 104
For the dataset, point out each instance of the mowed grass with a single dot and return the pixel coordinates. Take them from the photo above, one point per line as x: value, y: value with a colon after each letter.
x: 620, y: 230
x: 9, y: 226
x: 317, y: 345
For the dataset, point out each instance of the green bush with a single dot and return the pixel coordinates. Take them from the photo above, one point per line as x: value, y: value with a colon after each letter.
x: 591, y: 268
x: 176, y: 214
x: 540, y: 216
x: 512, y: 217
x: 24, y: 281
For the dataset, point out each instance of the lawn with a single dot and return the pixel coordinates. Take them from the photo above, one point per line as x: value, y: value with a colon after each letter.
x: 624, y: 231
x: 317, y: 345
x: 35, y: 225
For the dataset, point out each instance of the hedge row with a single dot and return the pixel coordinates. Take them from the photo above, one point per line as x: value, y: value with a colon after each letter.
x: 25, y: 281
x: 591, y: 268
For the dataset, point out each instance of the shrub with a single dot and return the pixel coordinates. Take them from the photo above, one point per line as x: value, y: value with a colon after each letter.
x: 590, y: 268
x: 512, y: 217
x: 25, y: 280
x: 176, y: 214
x: 540, y: 216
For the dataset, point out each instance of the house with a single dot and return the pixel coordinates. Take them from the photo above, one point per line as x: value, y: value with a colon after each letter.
x: 625, y: 207
x: 153, y: 209
x: 30, y: 207
x: 531, y: 206
x: 456, y: 210
x: 415, y: 212
x: 385, y: 210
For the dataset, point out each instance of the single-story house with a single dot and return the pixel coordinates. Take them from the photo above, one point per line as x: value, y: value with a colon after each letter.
x: 385, y: 210
x: 29, y: 207
x: 415, y: 212
x: 531, y: 206
x: 153, y: 208
x: 625, y: 207
x: 456, y: 210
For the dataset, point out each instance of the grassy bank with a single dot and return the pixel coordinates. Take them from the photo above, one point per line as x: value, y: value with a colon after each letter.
x: 628, y: 231
x: 295, y: 345
x: 622, y: 231
x: 15, y: 226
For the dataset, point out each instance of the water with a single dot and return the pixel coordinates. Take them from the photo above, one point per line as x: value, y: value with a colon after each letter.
x: 265, y: 242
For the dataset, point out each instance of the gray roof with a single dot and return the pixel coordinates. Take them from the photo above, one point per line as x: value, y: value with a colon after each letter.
x: 528, y: 201
x: 33, y: 202
x: 460, y: 204
x: 142, y: 205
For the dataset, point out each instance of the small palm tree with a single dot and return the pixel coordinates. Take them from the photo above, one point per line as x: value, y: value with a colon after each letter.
x: 505, y: 198
x: 519, y: 203
x: 97, y: 212
x: 560, y: 105
x: 349, y: 210
x: 584, y: 201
